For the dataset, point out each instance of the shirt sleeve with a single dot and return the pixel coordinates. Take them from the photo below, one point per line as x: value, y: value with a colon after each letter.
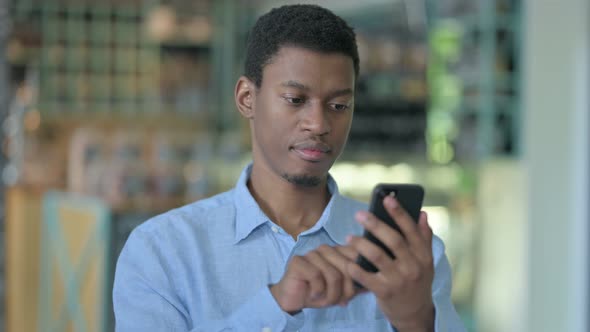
x: 145, y: 299
x: 446, y: 317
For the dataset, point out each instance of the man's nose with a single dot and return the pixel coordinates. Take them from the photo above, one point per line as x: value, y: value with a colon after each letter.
x: 315, y: 119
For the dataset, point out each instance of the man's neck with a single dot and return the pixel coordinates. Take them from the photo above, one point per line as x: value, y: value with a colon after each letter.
x: 295, y: 208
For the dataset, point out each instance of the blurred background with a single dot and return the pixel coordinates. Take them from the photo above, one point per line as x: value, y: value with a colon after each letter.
x: 114, y: 111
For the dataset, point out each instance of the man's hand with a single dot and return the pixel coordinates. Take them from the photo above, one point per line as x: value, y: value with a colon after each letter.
x: 402, y: 285
x: 318, y: 279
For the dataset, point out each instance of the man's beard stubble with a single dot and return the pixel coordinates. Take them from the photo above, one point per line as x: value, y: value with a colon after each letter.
x: 303, y: 180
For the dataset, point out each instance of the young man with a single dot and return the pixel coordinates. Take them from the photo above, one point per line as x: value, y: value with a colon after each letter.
x: 278, y: 251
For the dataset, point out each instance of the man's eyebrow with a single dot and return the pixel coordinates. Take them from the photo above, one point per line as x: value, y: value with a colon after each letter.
x: 340, y: 93
x: 334, y: 94
x: 295, y: 84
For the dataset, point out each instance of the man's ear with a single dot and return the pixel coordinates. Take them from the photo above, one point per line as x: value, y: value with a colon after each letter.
x: 245, y: 96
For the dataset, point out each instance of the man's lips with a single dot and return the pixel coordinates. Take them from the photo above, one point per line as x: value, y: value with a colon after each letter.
x: 311, y: 151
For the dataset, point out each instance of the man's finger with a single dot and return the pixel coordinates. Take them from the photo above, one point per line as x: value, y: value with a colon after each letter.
x: 372, y: 282
x: 391, y: 238
x: 373, y: 253
x: 309, y: 273
x: 350, y: 290
x: 347, y: 252
x: 332, y: 277
x: 340, y: 256
x: 404, y: 221
x: 424, y: 227
x: 426, y: 232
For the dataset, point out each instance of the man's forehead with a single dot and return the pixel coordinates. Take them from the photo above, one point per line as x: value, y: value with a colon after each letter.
x: 295, y: 66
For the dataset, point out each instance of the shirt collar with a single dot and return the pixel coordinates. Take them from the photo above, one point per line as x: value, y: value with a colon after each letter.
x: 249, y: 216
x: 340, y: 220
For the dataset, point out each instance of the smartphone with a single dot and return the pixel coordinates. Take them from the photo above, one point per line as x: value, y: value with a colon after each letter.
x: 409, y: 196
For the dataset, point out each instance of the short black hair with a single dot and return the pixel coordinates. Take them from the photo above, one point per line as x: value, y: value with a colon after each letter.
x: 308, y: 26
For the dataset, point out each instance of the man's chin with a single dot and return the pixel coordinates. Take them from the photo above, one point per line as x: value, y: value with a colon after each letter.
x: 304, y: 180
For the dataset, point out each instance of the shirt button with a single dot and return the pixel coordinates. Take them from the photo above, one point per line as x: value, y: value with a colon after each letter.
x: 275, y: 229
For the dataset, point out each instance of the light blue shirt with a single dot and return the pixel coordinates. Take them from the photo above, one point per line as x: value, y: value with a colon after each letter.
x: 207, y: 266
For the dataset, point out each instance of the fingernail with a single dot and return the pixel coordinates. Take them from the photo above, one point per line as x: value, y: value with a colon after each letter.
x: 390, y: 202
x: 364, y: 218
x: 348, y: 238
x: 360, y: 215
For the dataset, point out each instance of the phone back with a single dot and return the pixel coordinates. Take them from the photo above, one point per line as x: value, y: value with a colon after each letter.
x: 409, y: 196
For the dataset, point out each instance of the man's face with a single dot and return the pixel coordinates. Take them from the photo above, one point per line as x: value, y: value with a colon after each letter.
x: 302, y: 114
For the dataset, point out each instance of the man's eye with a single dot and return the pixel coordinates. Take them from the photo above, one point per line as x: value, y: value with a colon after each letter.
x: 295, y: 100
x: 339, y: 107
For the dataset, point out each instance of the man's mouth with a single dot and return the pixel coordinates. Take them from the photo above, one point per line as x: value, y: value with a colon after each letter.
x: 312, y: 151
